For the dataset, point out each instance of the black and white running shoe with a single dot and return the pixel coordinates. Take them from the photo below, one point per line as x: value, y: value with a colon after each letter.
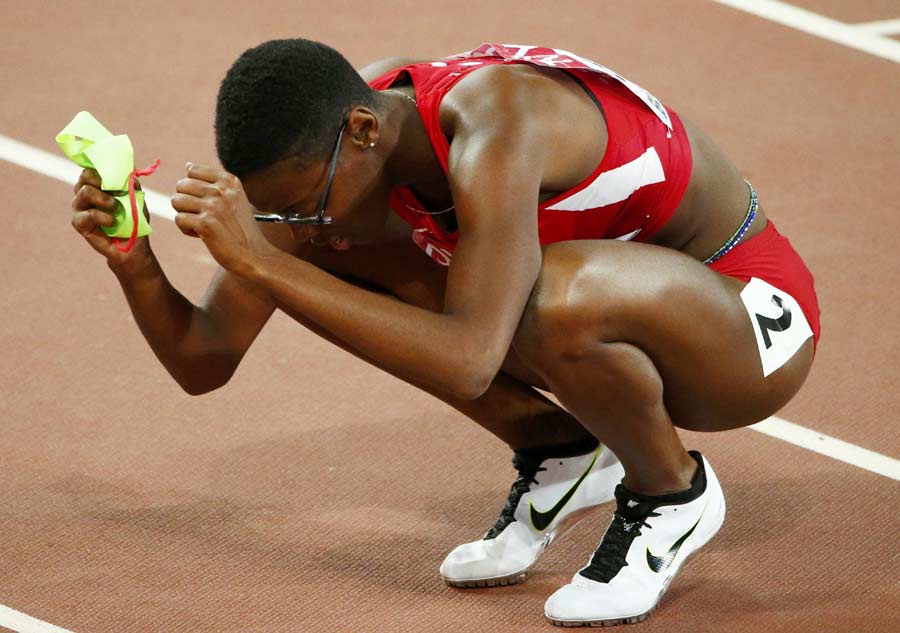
x: 646, y: 543
x: 548, y: 497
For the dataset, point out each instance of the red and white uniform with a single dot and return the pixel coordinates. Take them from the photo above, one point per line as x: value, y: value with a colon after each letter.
x: 631, y: 194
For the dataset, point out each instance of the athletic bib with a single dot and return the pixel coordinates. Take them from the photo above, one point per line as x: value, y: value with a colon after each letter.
x: 778, y: 322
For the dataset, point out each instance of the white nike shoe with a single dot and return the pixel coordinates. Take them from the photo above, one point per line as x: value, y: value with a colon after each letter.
x: 550, y: 495
x: 646, y: 543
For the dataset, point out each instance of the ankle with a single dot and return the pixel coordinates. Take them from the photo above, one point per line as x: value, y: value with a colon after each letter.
x: 679, y: 478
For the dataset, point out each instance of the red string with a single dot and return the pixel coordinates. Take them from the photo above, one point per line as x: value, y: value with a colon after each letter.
x: 134, y: 210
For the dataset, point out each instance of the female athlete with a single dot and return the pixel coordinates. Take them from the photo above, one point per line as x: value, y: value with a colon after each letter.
x: 484, y: 226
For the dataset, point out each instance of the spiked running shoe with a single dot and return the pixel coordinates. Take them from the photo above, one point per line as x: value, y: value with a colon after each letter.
x: 646, y: 543
x: 548, y: 497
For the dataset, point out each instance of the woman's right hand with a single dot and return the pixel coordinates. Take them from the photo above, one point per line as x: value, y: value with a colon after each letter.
x: 93, y: 208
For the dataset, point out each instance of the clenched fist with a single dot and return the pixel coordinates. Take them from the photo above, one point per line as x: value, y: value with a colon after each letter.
x: 93, y: 208
x: 212, y: 205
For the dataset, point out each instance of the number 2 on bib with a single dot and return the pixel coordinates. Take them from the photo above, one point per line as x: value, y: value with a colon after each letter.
x: 778, y: 322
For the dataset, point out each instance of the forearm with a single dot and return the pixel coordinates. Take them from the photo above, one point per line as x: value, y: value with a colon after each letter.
x: 182, y: 336
x: 510, y: 409
x: 381, y: 328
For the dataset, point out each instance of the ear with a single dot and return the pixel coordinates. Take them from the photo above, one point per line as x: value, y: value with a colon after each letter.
x: 363, y: 128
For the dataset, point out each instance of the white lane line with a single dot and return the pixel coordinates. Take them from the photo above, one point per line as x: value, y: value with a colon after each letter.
x: 880, y: 27
x: 21, y: 623
x: 819, y: 25
x: 830, y: 446
x: 63, y: 169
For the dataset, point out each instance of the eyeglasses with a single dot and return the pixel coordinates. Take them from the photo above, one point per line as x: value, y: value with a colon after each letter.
x: 319, y: 217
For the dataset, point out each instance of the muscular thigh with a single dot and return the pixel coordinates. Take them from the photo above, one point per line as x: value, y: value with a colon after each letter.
x: 688, y: 319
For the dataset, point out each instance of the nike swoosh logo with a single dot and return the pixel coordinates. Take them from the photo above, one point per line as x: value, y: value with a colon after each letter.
x: 540, y: 520
x: 661, y: 563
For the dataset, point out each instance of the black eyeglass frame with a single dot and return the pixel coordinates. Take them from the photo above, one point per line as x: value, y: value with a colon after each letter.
x: 319, y: 218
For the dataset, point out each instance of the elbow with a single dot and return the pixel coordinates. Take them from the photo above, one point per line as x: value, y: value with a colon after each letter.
x: 475, y: 368
x: 470, y: 389
x: 473, y: 391
x: 199, y: 388
x: 472, y: 379
x: 205, y: 379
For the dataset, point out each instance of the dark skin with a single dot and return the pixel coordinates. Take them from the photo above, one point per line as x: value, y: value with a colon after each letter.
x: 607, y: 326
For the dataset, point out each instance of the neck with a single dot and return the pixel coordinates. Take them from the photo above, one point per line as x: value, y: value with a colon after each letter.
x: 411, y: 161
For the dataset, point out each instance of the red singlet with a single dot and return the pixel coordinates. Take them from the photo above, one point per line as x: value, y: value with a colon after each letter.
x: 631, y: 194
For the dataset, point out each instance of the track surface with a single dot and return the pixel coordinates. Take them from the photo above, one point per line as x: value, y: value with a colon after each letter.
x: 315, y: 493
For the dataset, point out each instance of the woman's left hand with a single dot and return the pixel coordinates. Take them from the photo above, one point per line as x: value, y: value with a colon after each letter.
x: 211, y: 204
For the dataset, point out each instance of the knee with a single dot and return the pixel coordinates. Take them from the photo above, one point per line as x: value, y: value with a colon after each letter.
x: 583, y: 300
x: 545, y: 313
x: 557, y: 322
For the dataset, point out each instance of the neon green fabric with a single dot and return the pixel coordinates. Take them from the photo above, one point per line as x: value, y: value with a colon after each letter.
x: 88, y: 144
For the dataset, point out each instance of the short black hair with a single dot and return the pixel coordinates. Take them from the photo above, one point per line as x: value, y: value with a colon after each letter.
x: 284, y: 98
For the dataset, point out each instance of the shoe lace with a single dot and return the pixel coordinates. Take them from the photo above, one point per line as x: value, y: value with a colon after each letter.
x: 626, y: 524
x: 528, y: 467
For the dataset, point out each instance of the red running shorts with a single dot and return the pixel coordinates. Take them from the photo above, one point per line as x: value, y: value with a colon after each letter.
x: 770, y: 257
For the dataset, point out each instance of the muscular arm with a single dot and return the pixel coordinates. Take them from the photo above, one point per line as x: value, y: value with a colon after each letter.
x: 496, y: 164
x: 202, y: 345
x: 199, y: 345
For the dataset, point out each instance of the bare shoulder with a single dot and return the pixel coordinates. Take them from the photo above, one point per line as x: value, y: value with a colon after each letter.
x: 549, y: 111
x: 486, y: 94
x: 378, y: 68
